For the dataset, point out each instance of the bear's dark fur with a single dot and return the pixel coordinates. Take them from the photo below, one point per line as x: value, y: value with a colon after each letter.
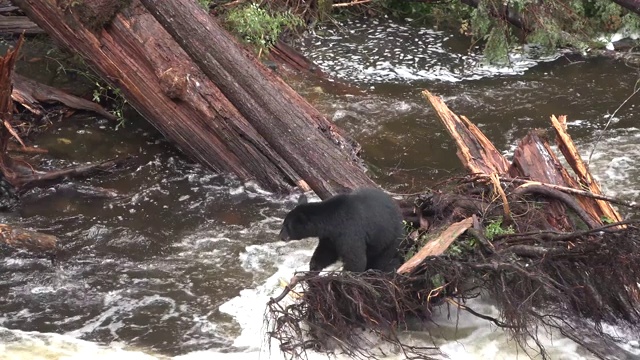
x: 363, y: 228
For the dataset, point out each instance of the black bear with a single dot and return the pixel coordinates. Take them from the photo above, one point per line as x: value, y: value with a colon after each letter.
x: 363, y: 229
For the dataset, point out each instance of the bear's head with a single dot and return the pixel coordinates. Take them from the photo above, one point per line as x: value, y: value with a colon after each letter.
x: 295, y: 225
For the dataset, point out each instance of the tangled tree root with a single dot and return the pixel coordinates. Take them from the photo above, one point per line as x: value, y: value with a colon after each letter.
x: 338, y: 309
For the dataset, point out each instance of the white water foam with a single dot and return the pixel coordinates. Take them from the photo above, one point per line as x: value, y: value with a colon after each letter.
x: 21, y: 345
x: 459, y: 336
x: 370, y: 52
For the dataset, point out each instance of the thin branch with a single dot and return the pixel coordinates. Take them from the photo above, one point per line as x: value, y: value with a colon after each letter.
x: 357, y: 2
x: 637, y: 89
x: 568, y: 190
x: 556, y: 194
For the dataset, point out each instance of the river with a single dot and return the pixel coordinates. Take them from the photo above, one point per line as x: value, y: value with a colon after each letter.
x: 182, y: 266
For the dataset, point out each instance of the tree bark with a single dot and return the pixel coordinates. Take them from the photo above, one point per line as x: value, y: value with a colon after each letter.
x: 132, y: 51
x: 17, y: 25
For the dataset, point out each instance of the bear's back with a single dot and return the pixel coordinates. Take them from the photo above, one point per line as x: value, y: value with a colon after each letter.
x: 379, y: 217
x: 366, y: 213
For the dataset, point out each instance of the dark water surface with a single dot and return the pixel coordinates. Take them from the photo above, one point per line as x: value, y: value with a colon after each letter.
x: 152, y: 268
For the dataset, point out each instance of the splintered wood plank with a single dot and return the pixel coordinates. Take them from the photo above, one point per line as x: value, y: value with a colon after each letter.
x: 534, y: 159
x: 477, y: 153
x: 598, y: 208
x: 438, y: 245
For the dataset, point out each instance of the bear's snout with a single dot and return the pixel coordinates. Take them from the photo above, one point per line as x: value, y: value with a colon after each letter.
x: 284, y: 236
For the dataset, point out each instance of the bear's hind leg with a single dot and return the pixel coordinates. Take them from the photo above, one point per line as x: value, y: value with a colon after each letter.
x: 324, y: 255
x: 385, y: 263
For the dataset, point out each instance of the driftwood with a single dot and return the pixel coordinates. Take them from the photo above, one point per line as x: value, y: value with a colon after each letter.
x: 16, y: 238
x: 12, y: 22
x: 285, y: 54
x: 31, y: 94
x: 521, y: 246
x: 25, y: 181
x: 295, y: 62
x: 26, y: 149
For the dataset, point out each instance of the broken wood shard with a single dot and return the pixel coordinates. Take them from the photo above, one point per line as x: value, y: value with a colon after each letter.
x: 475, y: 151
x: 600, y: 208
x: 438, y: 245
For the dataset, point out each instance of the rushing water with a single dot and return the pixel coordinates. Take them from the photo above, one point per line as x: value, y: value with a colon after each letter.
x: 182, y: 264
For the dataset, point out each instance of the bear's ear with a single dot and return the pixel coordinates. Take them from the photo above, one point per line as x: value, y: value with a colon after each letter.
x: 302, y: 199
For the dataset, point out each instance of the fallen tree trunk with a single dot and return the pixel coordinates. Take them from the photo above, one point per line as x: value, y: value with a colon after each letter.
x: 304, y: 136
x: 299, y: 64
x: 256, y: 128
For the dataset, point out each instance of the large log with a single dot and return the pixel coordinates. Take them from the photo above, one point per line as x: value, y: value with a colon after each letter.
x: 291, y: 126
x: 129, y: 49
x: 17, y: 25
